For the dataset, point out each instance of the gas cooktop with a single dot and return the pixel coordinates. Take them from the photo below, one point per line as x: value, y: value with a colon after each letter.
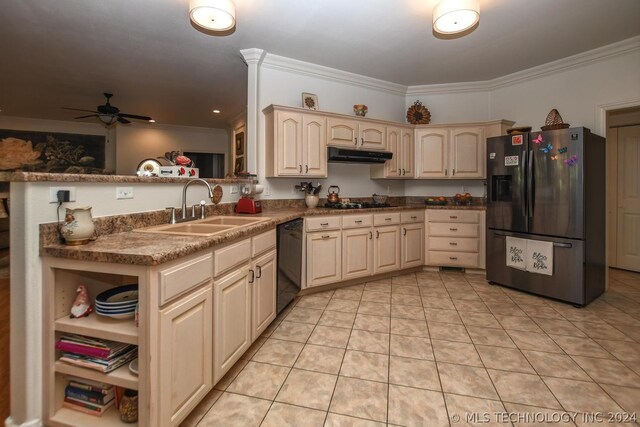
x: 357, y: 205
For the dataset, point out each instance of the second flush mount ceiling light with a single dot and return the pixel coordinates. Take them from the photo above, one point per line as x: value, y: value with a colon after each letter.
x: 455, y: 16
x: 213, y: 15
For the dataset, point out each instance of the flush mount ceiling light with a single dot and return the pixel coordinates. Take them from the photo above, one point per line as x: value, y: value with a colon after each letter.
x: 455, y: 16
x: 213, y: 15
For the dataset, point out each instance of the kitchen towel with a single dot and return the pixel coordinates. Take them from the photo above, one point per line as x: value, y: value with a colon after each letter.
x: 540, y: 257
x: 516, y: 252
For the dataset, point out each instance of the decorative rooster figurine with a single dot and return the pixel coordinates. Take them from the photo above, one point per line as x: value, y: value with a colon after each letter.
x: 81, y: 306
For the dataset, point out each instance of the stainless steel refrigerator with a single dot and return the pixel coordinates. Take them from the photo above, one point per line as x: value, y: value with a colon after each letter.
x: 549, y: 186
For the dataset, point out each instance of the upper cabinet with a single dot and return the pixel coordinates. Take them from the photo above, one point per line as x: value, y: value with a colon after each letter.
x: 432, y: 153
x: 355, y: 134
x: 402, y: 165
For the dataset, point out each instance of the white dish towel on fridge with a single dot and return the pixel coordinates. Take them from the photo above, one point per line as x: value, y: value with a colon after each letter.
x: 516, y: 253
x: 540, y: 257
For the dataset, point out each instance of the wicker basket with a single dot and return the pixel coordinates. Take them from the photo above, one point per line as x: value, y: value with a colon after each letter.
x: 554, y: 121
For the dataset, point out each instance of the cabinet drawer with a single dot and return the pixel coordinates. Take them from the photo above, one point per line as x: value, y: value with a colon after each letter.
x: 472, y: 217
x: 412, y: 217
x: 263, y: 242
x: 176, y: 280
x: 356, y: 221
x: 231, y: 256
x: 454, y: 244
x: 454, y: 259
x: 454, y: 229
x: 323, y: 223
x: 386, y: 218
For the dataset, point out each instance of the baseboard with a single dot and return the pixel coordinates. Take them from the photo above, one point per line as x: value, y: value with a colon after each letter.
x: 33, y: 423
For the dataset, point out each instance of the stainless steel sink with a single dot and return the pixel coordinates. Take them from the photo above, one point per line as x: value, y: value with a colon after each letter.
x: 203, y: 227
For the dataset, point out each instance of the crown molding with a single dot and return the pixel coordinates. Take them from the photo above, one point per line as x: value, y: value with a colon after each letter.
x: 282, y: 63
x: 253, y: 55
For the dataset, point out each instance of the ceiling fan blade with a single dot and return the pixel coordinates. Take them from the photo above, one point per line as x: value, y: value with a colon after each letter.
x: 78, y: 109
x: 84, y: 117
x: 134, y: 116
x: 123, y: 120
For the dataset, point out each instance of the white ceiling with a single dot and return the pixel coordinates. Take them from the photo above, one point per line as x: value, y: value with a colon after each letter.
x: 67, y: 52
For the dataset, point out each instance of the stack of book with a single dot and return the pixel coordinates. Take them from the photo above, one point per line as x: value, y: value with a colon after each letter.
x: 93, y: 353
x: 90, y: 397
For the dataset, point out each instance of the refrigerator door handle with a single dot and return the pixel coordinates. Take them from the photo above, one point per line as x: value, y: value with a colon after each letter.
x: 563, y: 245
x: 530, y: 185
x: 522, y: 177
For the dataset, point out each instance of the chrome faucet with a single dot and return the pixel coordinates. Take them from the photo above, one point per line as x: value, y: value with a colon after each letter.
x: 184, y: 198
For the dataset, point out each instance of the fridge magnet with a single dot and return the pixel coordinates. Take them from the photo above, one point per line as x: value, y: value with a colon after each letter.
x: 547, y: 149
x: 554, y: 157
x: 492, y: 156
x: 516, y: 140
x: 538, y: 140
x: 571, y: 161
x: 562, y: 150
x: 309, y: 101
x: 511, y: 160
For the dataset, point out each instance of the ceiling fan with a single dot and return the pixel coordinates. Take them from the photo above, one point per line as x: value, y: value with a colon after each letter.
x: 109, y: 114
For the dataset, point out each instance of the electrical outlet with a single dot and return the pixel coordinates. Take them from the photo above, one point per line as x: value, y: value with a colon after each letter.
x: 53, y: 193
x: 267, y: 191
x: 124, y: 193
x: 464, y: 189
x: 233, y: 189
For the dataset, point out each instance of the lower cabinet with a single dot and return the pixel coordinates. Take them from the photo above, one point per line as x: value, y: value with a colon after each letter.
x: 324, y: 257
x: 412, y: 249
x: 263, y: 293
x: 386, y: 252
x: 357, y: 253
x: 186, y: 341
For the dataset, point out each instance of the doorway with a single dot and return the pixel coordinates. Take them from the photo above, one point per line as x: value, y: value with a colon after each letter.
x: 210, y: 165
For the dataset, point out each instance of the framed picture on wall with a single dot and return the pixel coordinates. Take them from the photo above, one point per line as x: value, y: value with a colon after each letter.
x: 239, y: 165
x: 309, y: 101
x: 240, y: 146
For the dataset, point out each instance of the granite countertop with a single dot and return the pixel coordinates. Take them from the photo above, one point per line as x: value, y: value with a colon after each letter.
x: 20, y: 176
x: 132, y: 247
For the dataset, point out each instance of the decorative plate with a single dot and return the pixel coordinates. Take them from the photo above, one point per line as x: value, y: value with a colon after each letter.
x: 418, y: 114
x: 133, y: 366
x: 118, y: 295
x: 217, y: 194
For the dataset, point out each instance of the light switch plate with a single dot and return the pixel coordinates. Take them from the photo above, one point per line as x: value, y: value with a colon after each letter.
x: 234, y: 189
x: 53, y: 193
x: 124, y: 192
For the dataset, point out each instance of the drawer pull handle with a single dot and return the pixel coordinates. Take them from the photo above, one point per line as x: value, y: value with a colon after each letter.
x: 306, y: 168
x: 453, y: 216
x: 370, y: 235
x: 324, y: 224
x: 377, y: 234
x: 253, y: 276
x: 387, y: 219
x: 355, y: 140
x: 404, y: 231
x: 325, y: 237
x: 453, y: 258
x: 414, y: 217
x: 453, y: 243
x: 358, y: 221
x: 259, y: 275
x: 300, y: 166
x: 453, y: 229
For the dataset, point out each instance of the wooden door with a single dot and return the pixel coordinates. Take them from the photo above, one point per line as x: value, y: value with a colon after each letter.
x: 263, y: 293
x: 289, y: 141
x: 407, y: 153
x: 386, y: 248
x: 185, y: 354
x: 357, y: 253
x: 412, y: 245
x: 342, y: 133
x: 431, y: 152
x: 628, y: 224
x: 467, y: 153
x: 324, y: 258
x: 314, y: 146
x: 232, y: 319
x: 372, y: 136
x: 392, y: 167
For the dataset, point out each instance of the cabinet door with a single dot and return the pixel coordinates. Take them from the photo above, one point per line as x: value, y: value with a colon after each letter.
x: 324, y: 258
x: 357, y: 253
x: 232, y: 319
x: 392, y: 167
x: 467, y: 153
x: 372, y: 136
x: 314, y: 146
x: 386, y: 251
x: 342, y: 133
x: 412, y: 245
x: 432, y: 153
x: 185, y: 354
x: 407, y: 153
x: 289, y: 141
x: 263, y: 293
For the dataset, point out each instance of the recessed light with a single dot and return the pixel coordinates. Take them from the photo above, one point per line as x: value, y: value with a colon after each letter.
x: 216, y: 111
x: 151, y: 121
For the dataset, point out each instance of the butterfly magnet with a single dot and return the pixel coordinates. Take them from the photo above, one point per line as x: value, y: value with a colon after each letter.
x: 547, y: 149
x: 538, y: 139
x: 571, y: 161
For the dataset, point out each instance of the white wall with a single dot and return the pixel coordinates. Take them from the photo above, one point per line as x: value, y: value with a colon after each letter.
x: 447, y: 107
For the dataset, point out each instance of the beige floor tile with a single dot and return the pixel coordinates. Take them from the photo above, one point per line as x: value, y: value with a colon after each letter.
x: 415, y: 347
x: 518, y: 323
x: 304, y: 315
x: 507, y: 359
x: 234, y: 410
x: 378, y: 286
x: 534, y: 341
x: 527, y: 389
x: 201, y: 409
x: 630, y: 332
x: 626, y: 351
x: 293, y: 331
x: 442, y: 303
x: 485, y: 320
x: 555, y: 365
x: 558, y: 327
x: 408, y: 281
x: 308, y: 389
x: 456, y: 352
x: 368, y: 322
x: 376, y: 296
x: 406, y: 299
x: 540, y: 310
x: 231, y: 375
x: 442, y: 316
x: 470, y: 306
x: 320, y: 359
x: 374, y: 342
x: 337, y: 420
x: 365, y: 366
x: 314, y: 301
x: 348, y: 293
x: 259, y: 380
x: 413, y: 373
x: 463, y: 408
x: 466, y: 380
x: 407, y: 311
x: 627, y: 397
x: 577, y: 346
x: 527, y: 416
x: 579, y: 396
x: 416, y: 407
x: 253, y: 349
x: 337, y: 318
x: 601, y: 331
x: 343, y: 305
x: 448, y: 332
x: 330, y: 336
x: 490, y: 336
x: 409, y: 327
x: 374, y: 308
x: 278, y: 352
x: 282, y: 415
x: 360, y: 398
x: 607, y: 371
x: 505, y: 309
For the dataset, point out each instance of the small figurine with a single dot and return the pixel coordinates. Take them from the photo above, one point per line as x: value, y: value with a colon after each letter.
x: 81, y: 306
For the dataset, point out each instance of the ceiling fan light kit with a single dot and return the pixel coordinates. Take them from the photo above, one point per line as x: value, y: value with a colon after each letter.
x: 213, y: 15
x: 455, y: 16
x: 109, y: 114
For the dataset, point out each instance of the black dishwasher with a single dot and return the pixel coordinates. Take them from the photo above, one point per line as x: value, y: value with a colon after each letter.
x: 289, y: 262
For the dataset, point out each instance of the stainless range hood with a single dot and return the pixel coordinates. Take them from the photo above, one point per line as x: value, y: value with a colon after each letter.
x: 346, y: 155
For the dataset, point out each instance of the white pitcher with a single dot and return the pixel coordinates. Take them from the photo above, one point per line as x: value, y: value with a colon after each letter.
x: 78, y: 228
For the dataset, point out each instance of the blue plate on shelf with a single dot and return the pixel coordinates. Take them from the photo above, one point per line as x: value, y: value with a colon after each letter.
x: 121, y: 295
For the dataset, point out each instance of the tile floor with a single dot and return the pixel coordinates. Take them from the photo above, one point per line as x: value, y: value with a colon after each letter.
x: 437, y: 349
